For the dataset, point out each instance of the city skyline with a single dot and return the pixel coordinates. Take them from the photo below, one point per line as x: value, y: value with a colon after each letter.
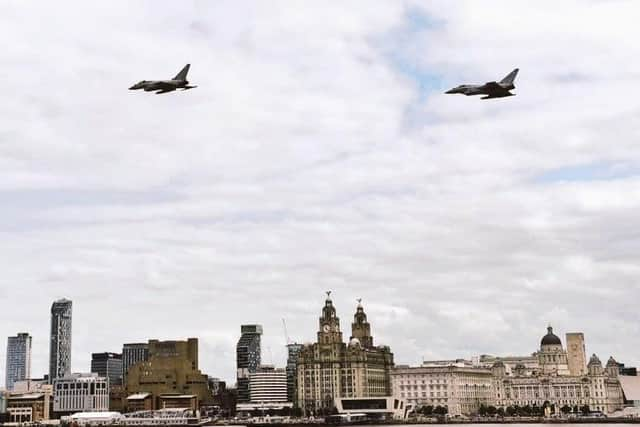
x: 320, y: 152
x: 268, y: 351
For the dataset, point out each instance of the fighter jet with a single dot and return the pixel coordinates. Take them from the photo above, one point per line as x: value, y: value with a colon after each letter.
x: 491, y: 89
x: 163, y: 86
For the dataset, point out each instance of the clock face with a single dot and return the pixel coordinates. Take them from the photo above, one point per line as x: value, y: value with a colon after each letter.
x: 326, y: 328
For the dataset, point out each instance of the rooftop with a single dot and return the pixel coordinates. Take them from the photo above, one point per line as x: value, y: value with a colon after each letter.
x: 138, y: 396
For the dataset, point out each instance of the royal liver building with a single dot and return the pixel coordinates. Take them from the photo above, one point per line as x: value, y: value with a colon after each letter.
x: 330, y: 368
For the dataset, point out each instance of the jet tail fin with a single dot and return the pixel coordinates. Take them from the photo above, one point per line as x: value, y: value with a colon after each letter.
x: 508, y: 80
x: 182, y: 75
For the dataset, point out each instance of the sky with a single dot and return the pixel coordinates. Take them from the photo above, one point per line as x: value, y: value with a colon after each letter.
x: 319, y: 152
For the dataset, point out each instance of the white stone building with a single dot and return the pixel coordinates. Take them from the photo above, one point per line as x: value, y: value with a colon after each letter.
x: 551, y: 377
x: 460, y: 389
x: 81, y: 393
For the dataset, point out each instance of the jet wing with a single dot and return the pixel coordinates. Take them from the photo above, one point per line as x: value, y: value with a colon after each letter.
x: 165, y: 90
x: 494, y: 90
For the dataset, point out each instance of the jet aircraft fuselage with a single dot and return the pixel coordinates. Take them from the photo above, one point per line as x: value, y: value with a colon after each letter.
x: 491, y: 89
x: 163, y: 86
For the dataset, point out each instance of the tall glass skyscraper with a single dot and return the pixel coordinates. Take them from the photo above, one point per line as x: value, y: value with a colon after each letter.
x: 247, y: 358
x: 18, y: 359
x: 60, y: 345
x: 293, y: 352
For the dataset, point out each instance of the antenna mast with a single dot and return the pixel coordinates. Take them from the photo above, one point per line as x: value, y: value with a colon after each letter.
x: 286, y: 335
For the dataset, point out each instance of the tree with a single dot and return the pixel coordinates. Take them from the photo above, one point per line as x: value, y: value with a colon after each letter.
x: 585, y: 409
x: 492, y: 410
x: 511, y: 410
x: 482, y: 411
x: 565, y: 409
x: 441, y: 410
x: 426, y: 410
x: 500, y: 412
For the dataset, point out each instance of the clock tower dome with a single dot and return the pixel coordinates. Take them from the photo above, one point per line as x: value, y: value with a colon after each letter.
x: 329, y: 332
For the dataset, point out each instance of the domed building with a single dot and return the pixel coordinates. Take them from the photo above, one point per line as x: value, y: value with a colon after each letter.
x: 330, y: 368
x: 552, y: 358
x: 561, y: 379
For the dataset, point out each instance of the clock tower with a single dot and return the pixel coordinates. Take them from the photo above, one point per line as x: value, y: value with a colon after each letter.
x: 360, y: 328
x: 329, y: 332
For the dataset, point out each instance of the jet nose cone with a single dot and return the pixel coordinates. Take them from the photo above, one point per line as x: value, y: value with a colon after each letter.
x: 451, y: 91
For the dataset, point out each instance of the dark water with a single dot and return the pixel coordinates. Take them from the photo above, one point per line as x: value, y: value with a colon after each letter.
x: 590, y: 424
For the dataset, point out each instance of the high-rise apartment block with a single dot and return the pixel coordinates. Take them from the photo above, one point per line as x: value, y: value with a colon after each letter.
x: 247, y: 358
x: 60, y: 344
x: 18, y: 359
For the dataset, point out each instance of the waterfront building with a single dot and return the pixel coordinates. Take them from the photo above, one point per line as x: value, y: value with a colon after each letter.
x: 18, y: 365
x: 552, y: 377
x: 117, y: 396
x: 553, y: 385
x: 268, y: 384
x: 247, y: 358
x: 80, y: 393
x: 139, y: 402
x: 178, y: 401
x: 461, y: 388
x: 108, y: 365
x: 171, y: 368
x: 131, y: 354
x: 60, y: 344
x: 29, y: 407
x: 293, y: 352
x: 330, y: 368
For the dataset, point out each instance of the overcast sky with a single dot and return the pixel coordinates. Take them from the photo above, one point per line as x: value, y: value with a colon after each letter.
x: 319, y: 152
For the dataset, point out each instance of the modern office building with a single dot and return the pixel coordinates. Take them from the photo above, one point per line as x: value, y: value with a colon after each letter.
x: 247, y: 358
x: 133, y: 353
x: 80, y: 393
x: 330, y: 368
x: 108, y: 365
x: 171, y: 368
x: 60, y: 345
x: 268, y: 384
x: 293, y: 352
x: 18, y: 359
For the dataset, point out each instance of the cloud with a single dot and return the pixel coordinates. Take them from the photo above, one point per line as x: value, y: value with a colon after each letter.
x: 319, y: 152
